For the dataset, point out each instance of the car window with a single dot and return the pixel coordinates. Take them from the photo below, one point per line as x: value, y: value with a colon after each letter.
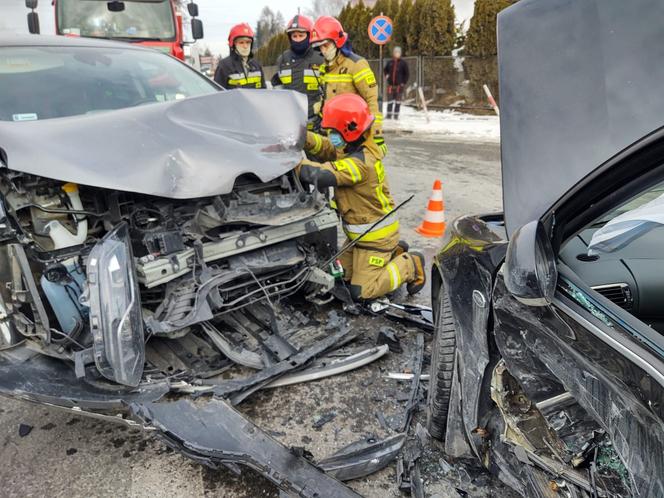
x: 621, y: 256
x: 39, y: 83
x: 136, y: 21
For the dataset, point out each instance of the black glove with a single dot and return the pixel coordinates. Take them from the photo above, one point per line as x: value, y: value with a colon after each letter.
x: 320, y: 178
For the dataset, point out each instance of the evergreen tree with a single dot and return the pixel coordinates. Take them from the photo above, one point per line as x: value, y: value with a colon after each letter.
x: 269, y: 24
x: 481, y: 36
x: 414, y: 26
x: 401, y: 25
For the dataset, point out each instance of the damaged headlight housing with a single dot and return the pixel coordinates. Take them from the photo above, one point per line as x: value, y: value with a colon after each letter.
x: 116, y: 321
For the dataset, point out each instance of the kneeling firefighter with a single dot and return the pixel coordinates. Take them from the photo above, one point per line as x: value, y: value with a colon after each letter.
x: 350, y: 162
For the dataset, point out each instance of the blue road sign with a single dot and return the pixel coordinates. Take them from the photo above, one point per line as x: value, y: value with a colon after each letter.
x: 380, y: 30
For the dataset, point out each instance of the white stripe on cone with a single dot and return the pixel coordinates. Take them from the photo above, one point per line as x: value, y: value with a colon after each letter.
x: 437, y: 195
x: 435, y: 216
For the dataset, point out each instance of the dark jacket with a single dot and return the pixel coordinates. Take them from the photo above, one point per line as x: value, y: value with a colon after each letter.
x: 397, y: 72
x: 231, y: 73
x: 300, y: 73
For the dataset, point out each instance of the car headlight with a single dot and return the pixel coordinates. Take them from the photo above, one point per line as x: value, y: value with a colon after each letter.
x: 116, y: 320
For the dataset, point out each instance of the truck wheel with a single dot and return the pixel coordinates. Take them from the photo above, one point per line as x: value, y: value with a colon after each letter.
x: 442, y: 367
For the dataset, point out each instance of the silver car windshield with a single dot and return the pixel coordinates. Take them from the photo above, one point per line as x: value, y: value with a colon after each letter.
x: 38, y: 83
x: 152, y: 20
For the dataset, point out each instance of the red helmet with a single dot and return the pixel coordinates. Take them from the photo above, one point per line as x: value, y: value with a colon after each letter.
x: 240, y: 31
x: 300, y: 23
x: 348, y: 114
x: 328, y: 28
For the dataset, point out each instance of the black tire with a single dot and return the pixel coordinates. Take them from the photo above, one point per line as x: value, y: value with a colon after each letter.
x: 443, y: 351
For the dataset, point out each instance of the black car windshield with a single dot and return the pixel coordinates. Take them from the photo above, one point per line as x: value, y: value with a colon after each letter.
x: 147, y: 20
x: 54, y: 82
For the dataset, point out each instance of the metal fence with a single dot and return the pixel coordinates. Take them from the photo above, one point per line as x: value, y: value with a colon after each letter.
x: 450, y: 82
x: 447, y: 82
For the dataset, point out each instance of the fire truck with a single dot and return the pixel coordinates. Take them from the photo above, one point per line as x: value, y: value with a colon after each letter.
x: 153, y: 23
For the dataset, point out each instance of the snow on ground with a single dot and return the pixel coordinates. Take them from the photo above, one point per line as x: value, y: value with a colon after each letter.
x: 451, y: 124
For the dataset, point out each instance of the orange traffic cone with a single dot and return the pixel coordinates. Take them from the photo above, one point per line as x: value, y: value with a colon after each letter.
x: 434, y: 219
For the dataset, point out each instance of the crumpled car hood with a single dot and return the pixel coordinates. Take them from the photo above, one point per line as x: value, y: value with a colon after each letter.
x: 183, y: 149
x: 577, y: 86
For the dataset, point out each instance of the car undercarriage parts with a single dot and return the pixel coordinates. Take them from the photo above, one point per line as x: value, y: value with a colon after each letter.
x: 211, y: 432
x: 363, y: 457
x: 407, y: 314
x: 415, y: 386
x: 325, y: 368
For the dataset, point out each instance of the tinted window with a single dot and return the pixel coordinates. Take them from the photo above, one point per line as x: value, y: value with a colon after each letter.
x: 53, y: 82
x: 138, y: 20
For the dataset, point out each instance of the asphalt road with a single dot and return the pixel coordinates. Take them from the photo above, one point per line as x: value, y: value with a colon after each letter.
x: 66, y: 455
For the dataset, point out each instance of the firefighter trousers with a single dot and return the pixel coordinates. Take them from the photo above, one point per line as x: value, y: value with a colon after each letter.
x: 376, y: 270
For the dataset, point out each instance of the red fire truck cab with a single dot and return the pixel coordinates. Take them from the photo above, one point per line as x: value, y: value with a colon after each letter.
x: 154, y: 23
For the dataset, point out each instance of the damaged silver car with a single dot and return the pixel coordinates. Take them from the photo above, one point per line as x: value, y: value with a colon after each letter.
x: 148, y: 222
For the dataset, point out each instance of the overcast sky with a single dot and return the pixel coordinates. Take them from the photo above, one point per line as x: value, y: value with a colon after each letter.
x: 217, y: 15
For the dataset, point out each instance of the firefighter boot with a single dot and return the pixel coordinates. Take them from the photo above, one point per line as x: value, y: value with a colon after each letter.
x: 402, y: 247
x: 420, y: 276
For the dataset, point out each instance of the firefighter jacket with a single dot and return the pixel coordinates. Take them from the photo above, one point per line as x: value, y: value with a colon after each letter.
x: 352, y: 74
x: 301, y: 73
x: 233, y: 72
x: 362, y: 194
x: 397, y: 73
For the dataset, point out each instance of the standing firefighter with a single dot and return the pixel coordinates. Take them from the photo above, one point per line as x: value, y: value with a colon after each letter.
x: 298, y: 67
x: 239, y: 69
x: 350, y: 162
x: 397, y: 75
x: 347, y: 72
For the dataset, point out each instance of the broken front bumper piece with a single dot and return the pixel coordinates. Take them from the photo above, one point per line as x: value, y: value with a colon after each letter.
x: 213, y: 433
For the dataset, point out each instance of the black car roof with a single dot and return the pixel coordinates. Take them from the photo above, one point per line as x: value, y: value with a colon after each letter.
x: 14, y: 40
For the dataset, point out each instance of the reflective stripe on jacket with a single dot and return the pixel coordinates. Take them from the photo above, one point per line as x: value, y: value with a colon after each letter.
x: 362, y: 194
x: 352, y: 74
x: 231, y: 73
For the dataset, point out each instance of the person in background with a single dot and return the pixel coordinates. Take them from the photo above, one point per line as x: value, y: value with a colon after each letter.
x: 348, y: 160
x: 297, y: 68
x: 346, y: 72
x: 239, y: 69
x: 397, y: 75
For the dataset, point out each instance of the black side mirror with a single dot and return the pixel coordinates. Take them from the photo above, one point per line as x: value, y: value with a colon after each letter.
x: 31, y: 4
x: 530, y: 266
x: 196, y: 29
x: 193, y: 9
x: 33, y: 23
x: 116, y: 6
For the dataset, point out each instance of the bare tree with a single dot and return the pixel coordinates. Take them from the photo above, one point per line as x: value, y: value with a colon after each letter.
x: 325, y: 8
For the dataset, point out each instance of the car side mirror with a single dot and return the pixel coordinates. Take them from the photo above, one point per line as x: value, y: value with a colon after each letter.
x: 196, y: 29
x: 192, y: 8
x: 31, y: 4
x: 33, y: 23
x: 530, y: 267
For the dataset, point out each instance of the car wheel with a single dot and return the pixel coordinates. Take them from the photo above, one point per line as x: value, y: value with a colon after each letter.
x: 442, y: 367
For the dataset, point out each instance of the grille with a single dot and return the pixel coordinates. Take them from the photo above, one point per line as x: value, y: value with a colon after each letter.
x: 619, y: 294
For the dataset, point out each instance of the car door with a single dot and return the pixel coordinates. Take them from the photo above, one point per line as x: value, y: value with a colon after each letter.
x: 580, y: 345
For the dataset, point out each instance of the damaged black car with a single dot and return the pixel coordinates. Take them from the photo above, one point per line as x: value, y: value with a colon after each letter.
x: 149, y: 224
x: 548, y: 361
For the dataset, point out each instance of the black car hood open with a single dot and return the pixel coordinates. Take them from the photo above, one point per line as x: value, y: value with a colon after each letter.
x: 579, y: 82
x: 184, y: 149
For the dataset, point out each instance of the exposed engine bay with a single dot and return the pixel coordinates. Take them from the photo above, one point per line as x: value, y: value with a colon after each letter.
x: 94, y: 274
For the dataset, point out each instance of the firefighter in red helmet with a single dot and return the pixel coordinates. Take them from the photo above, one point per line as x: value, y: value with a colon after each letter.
x: 239, y: 69
x: 349, y: 160
x: 298, y: 67
x: 346, y: 72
